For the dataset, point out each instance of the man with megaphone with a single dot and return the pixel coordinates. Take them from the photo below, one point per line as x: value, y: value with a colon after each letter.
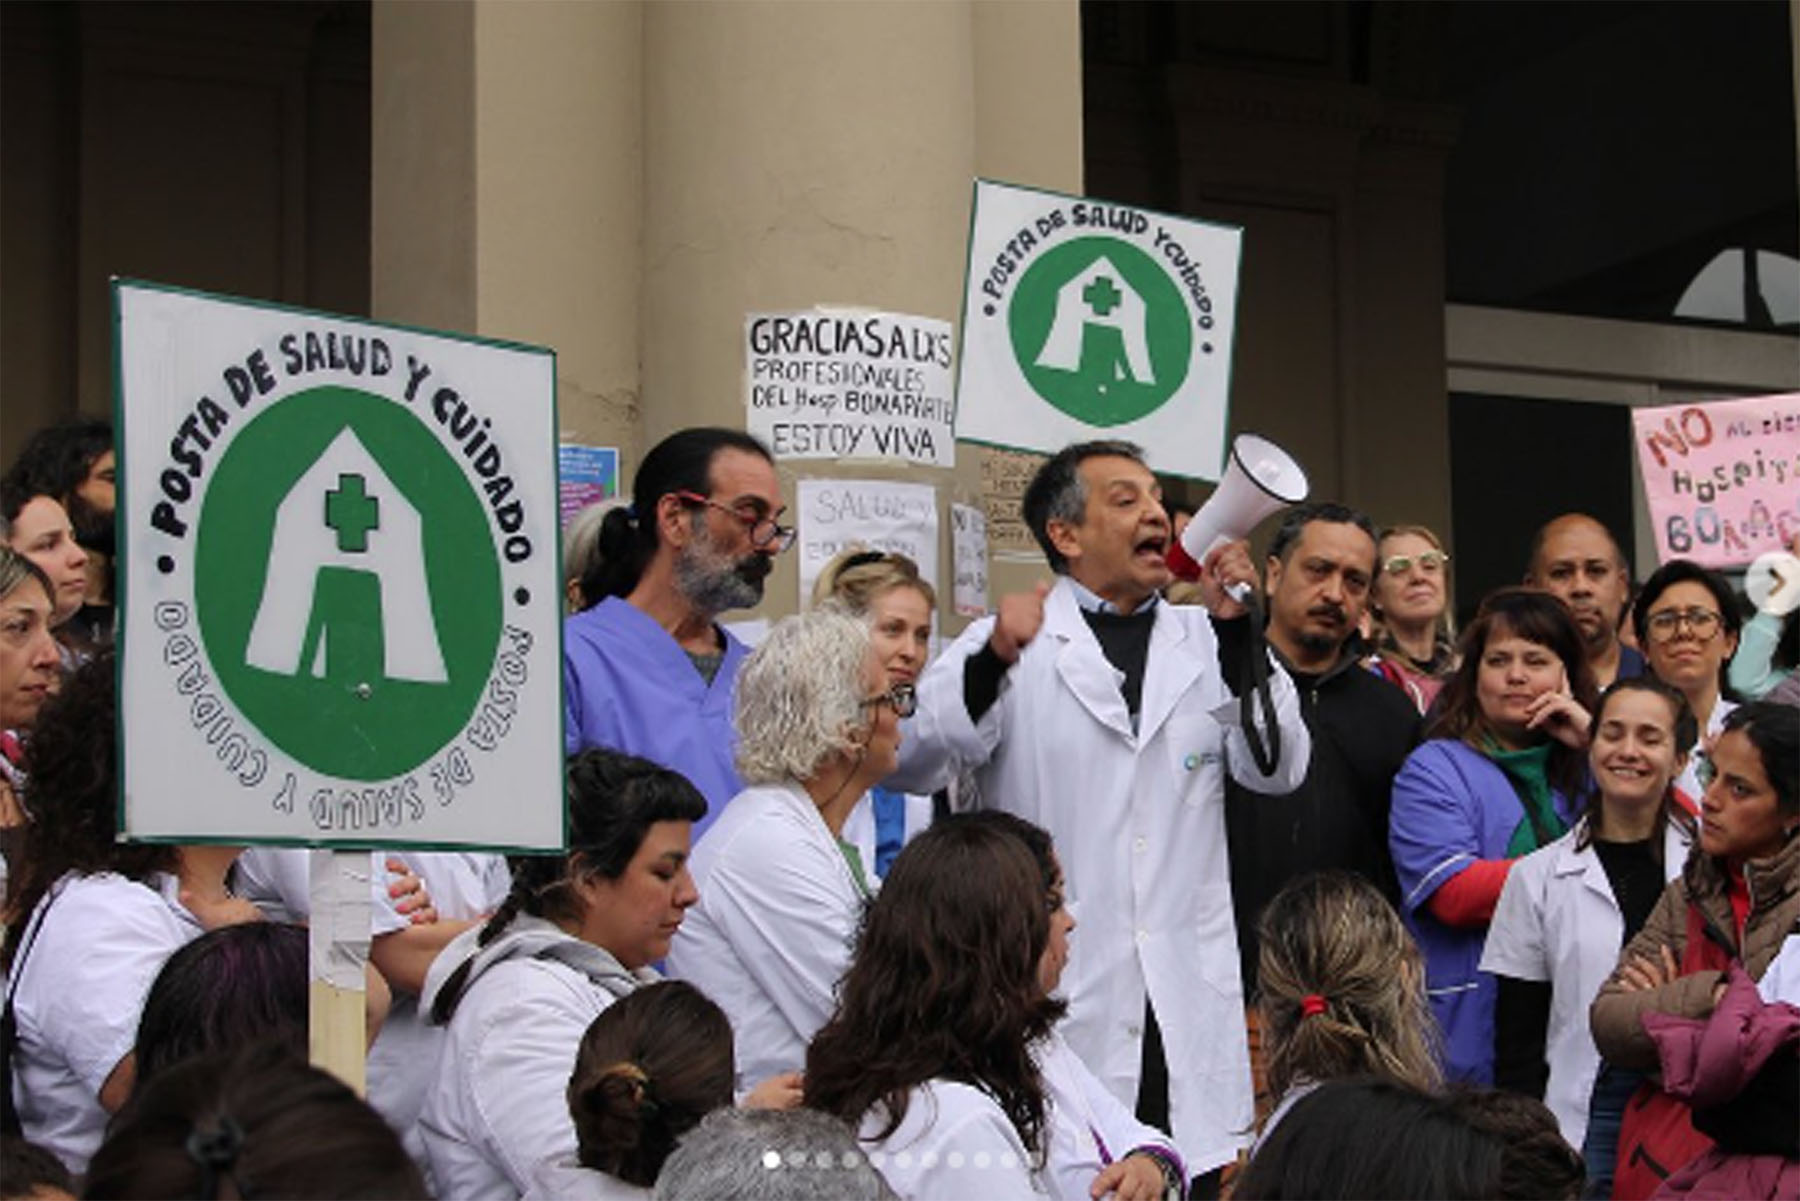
x: 1099, y: 711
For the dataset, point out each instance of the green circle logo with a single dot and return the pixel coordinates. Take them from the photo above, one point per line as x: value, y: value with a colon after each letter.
x: 1100, y: 331
x: 346, y: 585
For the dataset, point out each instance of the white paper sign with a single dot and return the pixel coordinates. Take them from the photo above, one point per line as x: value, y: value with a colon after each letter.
x: 879, y: 514
x: 1085, y: 319
x: 850, y: 384
x: 968, y: 546
x: 341, y: 599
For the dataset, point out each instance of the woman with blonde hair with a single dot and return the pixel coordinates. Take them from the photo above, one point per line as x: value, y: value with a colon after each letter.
x: 1342, y: 990
x: 886, y: 590
x: 1414, y: 637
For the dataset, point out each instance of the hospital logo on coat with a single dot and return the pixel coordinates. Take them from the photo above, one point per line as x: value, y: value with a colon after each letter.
x: 1100, y: 331
x: 347, y: 586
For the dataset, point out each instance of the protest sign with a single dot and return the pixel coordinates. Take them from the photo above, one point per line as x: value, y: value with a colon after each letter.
x: 585, y: 475
x: 341, y: 604
x: 1722, y: 479
x: 850, y: 384
x: 879, y: 514
x: 968, y: 543
x: 1005, y: 474
x: 1085, y: 319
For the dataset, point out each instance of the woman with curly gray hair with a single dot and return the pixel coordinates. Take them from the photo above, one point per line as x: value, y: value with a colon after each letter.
x: 781, y: 891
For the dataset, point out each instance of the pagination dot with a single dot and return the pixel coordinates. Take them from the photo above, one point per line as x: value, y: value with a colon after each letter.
x: 771, y: 1160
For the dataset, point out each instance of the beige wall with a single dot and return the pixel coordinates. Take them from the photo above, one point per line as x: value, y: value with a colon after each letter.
x: 626, y: 182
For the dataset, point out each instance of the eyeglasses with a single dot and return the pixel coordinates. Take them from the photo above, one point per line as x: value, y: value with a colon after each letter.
x: 1702, y: 623
x: 903, y: 697
x: 765, y: 532
x: 1430, y: 562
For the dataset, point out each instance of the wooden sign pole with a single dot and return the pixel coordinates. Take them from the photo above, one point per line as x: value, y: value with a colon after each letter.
x: 338, y: 1030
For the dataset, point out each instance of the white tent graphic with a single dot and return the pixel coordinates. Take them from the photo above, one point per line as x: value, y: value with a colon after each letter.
x: 345, y: 512
x: 1099, y: 295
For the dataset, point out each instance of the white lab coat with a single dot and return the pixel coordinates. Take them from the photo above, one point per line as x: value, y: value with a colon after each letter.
x: 1089, y: 1128
x: 564, y: 1179
x: 97, y: 944
x: 499, y: 1105
x: 463, y: 885
x: 1688, y: 782
x: 956, y: 1144
x: 774, y: 928
x: 1139, y: 823
x: 1557, y: 921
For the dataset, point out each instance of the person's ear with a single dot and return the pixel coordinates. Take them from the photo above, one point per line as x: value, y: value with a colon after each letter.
x: 672, y: 525
x: 1062, y: 536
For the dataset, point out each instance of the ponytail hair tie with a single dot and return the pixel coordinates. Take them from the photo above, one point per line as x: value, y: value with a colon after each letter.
x: 215, y: 1153
x: 639, y: 1082
x: 1311, y: 1005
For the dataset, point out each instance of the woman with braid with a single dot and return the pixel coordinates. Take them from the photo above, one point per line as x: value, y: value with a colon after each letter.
x: 1342, y: 991
x: 577, y: 932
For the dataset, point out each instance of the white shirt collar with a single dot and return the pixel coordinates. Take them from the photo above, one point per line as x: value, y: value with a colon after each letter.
x: 1092, y: 602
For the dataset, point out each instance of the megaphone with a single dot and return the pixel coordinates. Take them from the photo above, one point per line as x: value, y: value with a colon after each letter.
x: 1261, y: 479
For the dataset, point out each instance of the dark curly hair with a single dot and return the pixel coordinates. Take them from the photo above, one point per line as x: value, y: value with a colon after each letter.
x: 944, y: 984
x: 73, y: 790
x: 1536, y: 617
x: 613, y: 800
x: 56, y: 460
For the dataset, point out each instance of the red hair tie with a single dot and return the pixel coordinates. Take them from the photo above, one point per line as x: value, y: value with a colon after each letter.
x: 1312, y: 1005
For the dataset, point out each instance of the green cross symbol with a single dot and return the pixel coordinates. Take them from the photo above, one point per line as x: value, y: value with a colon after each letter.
x: 1101, y: 296
x: 352, y: 513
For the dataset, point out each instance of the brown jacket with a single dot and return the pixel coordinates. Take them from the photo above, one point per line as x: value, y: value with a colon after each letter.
x: 1617, y: 1014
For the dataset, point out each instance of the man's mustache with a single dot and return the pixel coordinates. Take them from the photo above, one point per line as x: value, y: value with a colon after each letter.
x: 754, y: 568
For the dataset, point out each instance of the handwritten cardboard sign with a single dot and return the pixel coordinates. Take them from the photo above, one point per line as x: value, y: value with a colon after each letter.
x: 968, y: 552
x: 1722, y: 479
x: 882, y: 515
x: 850, y: 384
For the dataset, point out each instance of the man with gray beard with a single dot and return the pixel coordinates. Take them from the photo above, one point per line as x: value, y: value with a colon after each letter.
x: 648, y: 669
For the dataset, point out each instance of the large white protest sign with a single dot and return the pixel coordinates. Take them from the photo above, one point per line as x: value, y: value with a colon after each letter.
x: 879, y: 514
x: 1085, y: 319
x: 341, y: 598
x: 850, y: 384
x: 968, y: 551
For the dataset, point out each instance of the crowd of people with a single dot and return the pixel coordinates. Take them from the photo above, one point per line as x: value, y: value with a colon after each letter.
x: 1508, y: 911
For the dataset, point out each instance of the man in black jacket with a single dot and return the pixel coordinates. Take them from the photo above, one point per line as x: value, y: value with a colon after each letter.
x: 1317, y: 582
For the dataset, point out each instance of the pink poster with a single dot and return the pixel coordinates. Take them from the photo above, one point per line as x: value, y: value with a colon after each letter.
x: 1722, y: 478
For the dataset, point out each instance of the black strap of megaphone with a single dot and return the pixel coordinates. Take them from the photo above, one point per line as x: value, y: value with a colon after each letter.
x: 1254, y: 690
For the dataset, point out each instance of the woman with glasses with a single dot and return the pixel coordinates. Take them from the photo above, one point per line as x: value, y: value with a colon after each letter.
x: 1497, y: 779
x: 1414, y: 635
x: 1687, y: 625
x: 887, y: 591
x: 781, y: 890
